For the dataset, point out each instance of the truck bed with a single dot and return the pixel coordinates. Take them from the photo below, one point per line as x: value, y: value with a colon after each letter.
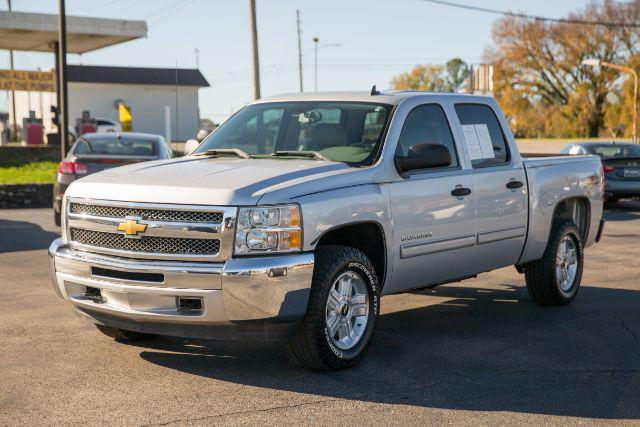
x: 533, y: 160
x: 552, y: 179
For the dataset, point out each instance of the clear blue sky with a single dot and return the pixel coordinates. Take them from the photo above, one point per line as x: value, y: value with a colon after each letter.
x: 379, y: 38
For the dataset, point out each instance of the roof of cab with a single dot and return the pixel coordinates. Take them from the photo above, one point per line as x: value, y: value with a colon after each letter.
x: 383, y: 97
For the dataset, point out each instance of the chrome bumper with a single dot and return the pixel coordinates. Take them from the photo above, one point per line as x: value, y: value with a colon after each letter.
x: 143, y: 295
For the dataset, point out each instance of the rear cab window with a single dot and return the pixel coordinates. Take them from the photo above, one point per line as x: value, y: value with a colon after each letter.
x: 116, y: 146
x: 483, y: 135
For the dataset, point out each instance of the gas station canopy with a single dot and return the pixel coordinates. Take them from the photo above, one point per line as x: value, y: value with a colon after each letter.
x: 38, y: 32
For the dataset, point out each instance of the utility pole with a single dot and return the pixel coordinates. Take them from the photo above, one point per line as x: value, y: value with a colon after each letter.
x: 254, y: 39
x: 63, y: 107
x: 299, y: 50
x: 12, y: 93
x: 315, y: 64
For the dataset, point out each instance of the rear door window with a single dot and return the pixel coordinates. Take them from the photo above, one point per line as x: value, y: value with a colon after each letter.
x: 483, y: 134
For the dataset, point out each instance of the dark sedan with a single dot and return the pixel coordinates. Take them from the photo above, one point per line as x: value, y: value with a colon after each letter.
x: 621, y: 164
x: 95, y: 152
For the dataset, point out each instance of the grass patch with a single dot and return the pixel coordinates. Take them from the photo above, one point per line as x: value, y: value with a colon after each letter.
x: 29, y: 173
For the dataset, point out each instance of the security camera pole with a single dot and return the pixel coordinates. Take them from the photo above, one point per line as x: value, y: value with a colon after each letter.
x: 315, y: 64
x: 594, y: 62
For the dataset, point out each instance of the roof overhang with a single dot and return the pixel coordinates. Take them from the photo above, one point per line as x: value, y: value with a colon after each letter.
x: 38, y: 31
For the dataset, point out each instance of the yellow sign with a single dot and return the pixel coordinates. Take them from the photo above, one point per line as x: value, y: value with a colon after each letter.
x: 131, y: 227
x: 30, y: 81
x: 125, y: 117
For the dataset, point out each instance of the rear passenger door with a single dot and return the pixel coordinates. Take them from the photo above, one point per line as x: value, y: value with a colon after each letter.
x: 500, y: 186
x: 433, y: 229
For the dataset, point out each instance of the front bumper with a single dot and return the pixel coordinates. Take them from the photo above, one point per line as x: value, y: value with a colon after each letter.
x: 258, y: 297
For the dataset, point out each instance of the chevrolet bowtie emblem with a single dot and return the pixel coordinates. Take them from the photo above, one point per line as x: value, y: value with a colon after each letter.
x: 131, y: 227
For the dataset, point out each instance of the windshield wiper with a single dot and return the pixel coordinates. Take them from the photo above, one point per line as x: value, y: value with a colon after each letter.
x: 294, y: 153
x: 217, y: 151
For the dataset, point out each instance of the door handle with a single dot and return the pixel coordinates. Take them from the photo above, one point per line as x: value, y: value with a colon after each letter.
x: 512, y: 185
x: 460, y: 191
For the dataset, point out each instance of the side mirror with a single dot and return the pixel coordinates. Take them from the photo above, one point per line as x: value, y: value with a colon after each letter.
x: 190, y: 146
x: 424, y: 156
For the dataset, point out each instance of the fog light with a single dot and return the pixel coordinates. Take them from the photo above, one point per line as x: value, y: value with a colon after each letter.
x: 189, y: 303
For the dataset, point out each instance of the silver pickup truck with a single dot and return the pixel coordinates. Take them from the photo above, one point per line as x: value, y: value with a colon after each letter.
x: 294, y: 217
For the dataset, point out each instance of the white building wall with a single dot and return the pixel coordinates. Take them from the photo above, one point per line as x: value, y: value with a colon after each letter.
x: 147, y: 102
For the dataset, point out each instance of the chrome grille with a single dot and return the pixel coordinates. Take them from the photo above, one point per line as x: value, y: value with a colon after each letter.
x: 146, y: 214
x: 149, y: 244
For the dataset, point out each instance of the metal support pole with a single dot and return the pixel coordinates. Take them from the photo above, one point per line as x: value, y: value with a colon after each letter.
x: 299, y: 50
x: 63, y: 108
x: 254, y: 40
x: 635, y: 107
x: 315, y: 64
x: 12, y: 93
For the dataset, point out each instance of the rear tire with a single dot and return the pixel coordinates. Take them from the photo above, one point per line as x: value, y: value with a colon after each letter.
x: 342, y: 311
x: 555, y: 278
x: 124, y: 335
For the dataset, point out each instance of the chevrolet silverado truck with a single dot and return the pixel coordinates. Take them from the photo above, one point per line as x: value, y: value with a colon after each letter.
x: 294, y: 217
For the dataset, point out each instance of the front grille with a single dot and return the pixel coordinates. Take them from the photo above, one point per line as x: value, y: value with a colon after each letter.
x: 147, y: 214
x: 160, y: 245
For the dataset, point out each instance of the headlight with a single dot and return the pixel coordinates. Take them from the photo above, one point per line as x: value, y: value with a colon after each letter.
x: 268, y: 229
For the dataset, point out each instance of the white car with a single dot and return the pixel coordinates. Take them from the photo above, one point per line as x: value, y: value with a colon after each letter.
x: 107, y: 125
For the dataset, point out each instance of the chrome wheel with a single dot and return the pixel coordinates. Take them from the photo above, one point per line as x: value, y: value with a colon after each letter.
x: 347, y: 311
x: 566, y: 263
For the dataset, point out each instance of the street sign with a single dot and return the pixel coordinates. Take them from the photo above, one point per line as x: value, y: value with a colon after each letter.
x: 30, y: 81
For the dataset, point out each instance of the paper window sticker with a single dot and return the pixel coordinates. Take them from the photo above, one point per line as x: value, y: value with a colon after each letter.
x: 484, y: 139
x: 473, y: 144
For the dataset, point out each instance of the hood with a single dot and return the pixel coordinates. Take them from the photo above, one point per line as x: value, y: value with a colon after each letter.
x: 202, y: 180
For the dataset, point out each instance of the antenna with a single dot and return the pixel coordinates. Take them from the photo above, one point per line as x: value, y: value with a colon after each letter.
x: 374, y: 91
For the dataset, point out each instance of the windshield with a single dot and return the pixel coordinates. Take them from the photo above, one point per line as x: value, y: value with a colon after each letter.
x: 615, y: 150
x: 115, y: 146
x: 338, y: 131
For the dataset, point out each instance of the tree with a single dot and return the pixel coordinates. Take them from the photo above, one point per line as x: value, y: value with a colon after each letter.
x: 422, y: 77
x: 457, y: 74
x: 434, y: 78
x: 540, y: 63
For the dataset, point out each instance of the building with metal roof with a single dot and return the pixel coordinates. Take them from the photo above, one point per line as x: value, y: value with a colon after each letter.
x: 162, y: 100
x: 136, y: 75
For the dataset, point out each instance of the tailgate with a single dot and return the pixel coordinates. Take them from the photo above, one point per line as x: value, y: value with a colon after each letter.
x: 622, y: 168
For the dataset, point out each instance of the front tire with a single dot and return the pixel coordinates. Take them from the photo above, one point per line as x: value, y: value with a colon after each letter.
x: 555, y: 278
x: 124, y: 335
x: 343, y: 308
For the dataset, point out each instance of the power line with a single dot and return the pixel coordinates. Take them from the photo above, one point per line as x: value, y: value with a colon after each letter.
x: 535, y: 17
x: 167, y: 9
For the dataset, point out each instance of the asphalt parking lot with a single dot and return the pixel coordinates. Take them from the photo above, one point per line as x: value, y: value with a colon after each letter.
x: 478, y: 352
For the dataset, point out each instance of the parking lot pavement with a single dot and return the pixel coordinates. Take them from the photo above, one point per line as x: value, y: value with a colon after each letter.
x: 480, y: 351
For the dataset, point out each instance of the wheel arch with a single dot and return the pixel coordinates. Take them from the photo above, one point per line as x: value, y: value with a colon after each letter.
x: 576, y: 209
x: 366, y: 236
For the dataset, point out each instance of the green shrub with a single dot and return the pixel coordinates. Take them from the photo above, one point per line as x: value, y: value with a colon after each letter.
x: 30, y: 173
